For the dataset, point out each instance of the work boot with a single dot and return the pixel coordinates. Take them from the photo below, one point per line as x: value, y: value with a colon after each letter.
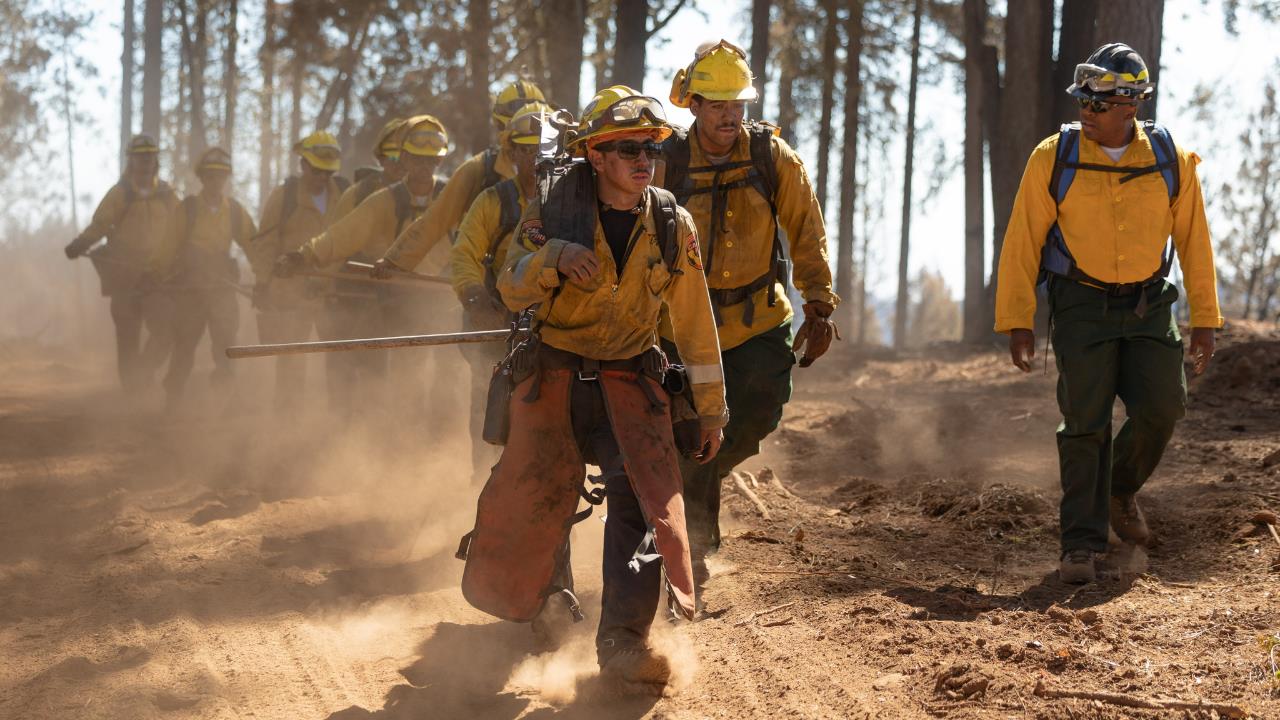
x: 1076, y: 567
x: 636, y: 670
x: 1127, y: 520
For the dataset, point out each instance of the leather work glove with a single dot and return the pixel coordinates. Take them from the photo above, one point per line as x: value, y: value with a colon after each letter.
x: 816, y: 332
x: 77, y: 247
x: 475, y: 299
x: 383, y: 269
x: 289, y: 263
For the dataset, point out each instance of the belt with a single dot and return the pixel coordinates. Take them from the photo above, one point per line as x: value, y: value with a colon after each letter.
x: 651, y: 362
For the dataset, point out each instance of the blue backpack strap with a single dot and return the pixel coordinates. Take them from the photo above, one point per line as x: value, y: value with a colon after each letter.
x: 1068, y: 155
x: 1166, y: 157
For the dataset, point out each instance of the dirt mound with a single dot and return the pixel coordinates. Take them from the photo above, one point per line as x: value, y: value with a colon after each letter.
x: 999, y: 507
x: 1248, y: 368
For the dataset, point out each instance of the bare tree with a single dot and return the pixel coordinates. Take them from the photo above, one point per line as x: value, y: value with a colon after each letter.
x: 152, y: 66
x: 760, y: 11
x: 1140, y: 25
x: 855, y: 32
x: 977, y: 313
x: 789, y: 70
x: 195, y: 51
x: 900, y: 316
x: 630, y: 20
x: 564, y: 25
x: 1075, y: 43
x: 126, y: 79
x: 1251, y: 204
x: 479, y: 28
x: 230, y: 76
x: 266, y: 100
x: 830, y: 41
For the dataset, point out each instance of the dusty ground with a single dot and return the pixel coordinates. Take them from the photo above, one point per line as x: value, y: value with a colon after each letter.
x: 234, y: 565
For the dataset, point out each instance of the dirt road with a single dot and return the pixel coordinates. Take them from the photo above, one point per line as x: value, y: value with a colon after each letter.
x: 223, y: 565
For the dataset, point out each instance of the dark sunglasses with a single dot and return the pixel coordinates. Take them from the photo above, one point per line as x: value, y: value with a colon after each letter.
x: 1097, y: 106
x: 631, y: 149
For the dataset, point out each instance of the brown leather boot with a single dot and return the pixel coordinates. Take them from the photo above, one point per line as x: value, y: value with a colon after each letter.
x: 1127, y: 520
x: 1076, y: 567
x: 637, y: 670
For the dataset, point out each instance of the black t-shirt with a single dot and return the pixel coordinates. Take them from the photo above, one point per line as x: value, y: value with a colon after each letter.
x: 617, y: 226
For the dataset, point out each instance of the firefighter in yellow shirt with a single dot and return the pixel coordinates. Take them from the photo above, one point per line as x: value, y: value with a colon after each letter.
x: 356, y: 309
x: 744, y: 187
x: 133, y: 217
x: 295, y: 211
x: 1092, y: 220
x: 481, y: 171
x: 202, y: 273
x: 386, y: 151
x: 479, y: 253
x: 600, y: 254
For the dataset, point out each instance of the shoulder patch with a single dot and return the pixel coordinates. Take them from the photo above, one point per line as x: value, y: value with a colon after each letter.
x: 692, y: 252
x: 531, y: 233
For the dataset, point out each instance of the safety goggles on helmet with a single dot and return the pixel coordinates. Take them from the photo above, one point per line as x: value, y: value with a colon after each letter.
x: 629, y: 111
x: 631, y: 149
x: 1101, y: 80
x: 527, y: 125
x: 426, y: 141
x: 324, y: 153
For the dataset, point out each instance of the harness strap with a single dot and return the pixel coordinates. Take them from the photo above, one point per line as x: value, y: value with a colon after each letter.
x: 645, y: 553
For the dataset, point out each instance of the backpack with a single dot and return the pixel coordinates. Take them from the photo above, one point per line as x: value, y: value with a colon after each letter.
x: 508, y: 218
x: 1055, y: 258
x: 491, y: 176
x: 190, y: 208
x: 291, y: 197
x: 762, y: 176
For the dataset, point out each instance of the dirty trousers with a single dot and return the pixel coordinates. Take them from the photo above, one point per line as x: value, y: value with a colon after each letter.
x: 351, y: 376
x: 137, y: 360
x: 281, y: 325
x: 757, y: 381
x: 218, y: 310
x: 1104, y: 350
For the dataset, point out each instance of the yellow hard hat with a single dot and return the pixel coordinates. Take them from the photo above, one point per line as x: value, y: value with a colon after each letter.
x: 718, y: 72
x: 512, y: 98
x: 388, y: 142
x: 526, y: 125
x: 619, y: 109
x: 425, y: 136
x: 215, y: 158
x: 141, y: 145
x: 321, y: 150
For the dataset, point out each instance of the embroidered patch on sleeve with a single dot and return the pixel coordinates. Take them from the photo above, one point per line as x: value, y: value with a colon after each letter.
x: 693, y: 253
x: 532, y: 235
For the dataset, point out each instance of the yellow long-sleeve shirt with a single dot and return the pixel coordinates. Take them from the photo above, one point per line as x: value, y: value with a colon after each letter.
x: 136, y: 230
x: 368, y: 229
x: 447, y: 210
x: 202, y: 244
x: 356, y: 194
x: 744, y: 245
x: 280, y: 235
x: 615, y: 317
x: 1116, y: 233
x: 476, y: 235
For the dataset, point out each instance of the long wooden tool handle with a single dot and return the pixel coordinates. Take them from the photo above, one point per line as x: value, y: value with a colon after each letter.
x: 238, y: 352
x: 398, y: 273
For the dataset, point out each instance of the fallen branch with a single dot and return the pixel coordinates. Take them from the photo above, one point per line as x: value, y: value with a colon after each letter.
x: 750, y: 495
x: 770, y: 478
x: 1228, y: 711
x: 1274, y: 534
x: 762, y: 613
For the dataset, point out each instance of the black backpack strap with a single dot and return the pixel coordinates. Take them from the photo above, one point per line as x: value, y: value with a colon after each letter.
x: 237, y: 221
x: 404, y: 204
x: 676, y: 158
x: 664, y: 222
x: 342, y: 183
x: 508, y: 217
x: 290, y: 204
x: 491, y: 176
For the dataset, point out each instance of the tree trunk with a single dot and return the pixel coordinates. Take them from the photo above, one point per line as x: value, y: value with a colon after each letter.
x: 830, y: 41
x: 904, y: 289
x: 864, y: 244
x: 565, y: 23
x: 479, y: 29
x: 196, y: 45
x: 126, y: 80
x: 1022, y: 106
x: 603, y: 36
x: 230, y: 77
x: 352, y: 58
x: 631, y: 25
x: 152, y: 67
x: 297, y: 73
x: 788, y: 69
x: 1140, y: 25
x: 977, y: 314
x: 760, y: 11
x: 854, y: 34
x: 1075, y: 43
x: 266, y: 102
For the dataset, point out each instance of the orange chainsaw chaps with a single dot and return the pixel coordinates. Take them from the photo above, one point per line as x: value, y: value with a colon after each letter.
x: 523, y: 512
x: 649, y: 453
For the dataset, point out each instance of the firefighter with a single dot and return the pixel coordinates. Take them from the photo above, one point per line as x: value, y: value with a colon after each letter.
x: 356, y: 309
x: 203, y: 274
x: 481, y: 171
x: 601, y: 257
x: 297, y: 210
x: 484, y: 237
x: 745, y: 187
x: 1092, y: 220
x: 133, y: 218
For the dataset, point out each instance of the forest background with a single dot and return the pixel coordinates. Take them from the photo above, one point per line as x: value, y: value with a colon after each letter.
x: 914, y: 117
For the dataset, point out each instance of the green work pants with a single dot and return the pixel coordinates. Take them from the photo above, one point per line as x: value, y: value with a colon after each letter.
x: 757, y: 383
x: 1105, y: 350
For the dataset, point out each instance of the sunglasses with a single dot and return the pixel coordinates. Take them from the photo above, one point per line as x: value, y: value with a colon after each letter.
x: 1097, y: 106
x: 631, y: 149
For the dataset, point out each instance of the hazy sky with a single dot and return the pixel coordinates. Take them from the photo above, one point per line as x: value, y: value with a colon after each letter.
x: 1196, y: 51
